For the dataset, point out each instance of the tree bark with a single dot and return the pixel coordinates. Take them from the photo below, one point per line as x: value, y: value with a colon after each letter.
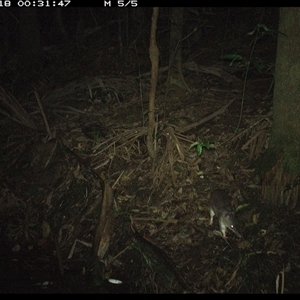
x: 175, y: 75
x: 154, y: 56
x: 281, y: 162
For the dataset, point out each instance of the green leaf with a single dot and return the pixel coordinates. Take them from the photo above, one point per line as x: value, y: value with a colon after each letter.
x: 199, y: 149
x: 232, y: 56
x: 206, y: 145
x: 194, y: 145
x: 199, y: 146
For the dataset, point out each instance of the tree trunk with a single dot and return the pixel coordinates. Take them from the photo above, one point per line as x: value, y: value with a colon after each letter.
x: 154, y: 57
x: 59, y: 25
x: 281, y: 162
x: 175, y: 75
x: 31, y: 50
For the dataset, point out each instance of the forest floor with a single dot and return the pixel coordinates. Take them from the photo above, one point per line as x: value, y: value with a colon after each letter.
x: 89, y: 146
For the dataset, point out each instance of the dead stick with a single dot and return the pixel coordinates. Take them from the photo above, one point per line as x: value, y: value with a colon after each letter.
x: 195, y: 124
x: 43, y: 114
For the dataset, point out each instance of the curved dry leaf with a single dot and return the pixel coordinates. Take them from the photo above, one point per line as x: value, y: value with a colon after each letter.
x: 255, y: 218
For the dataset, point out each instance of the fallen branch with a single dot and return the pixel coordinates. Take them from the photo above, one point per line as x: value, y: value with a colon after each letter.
x: 195, y: 124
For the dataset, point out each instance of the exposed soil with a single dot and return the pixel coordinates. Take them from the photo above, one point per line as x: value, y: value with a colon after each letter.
x: 57, y: 170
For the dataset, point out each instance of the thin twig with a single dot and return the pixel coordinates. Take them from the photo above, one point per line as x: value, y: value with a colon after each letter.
x: 195, y: 124
x: 43, y: 114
